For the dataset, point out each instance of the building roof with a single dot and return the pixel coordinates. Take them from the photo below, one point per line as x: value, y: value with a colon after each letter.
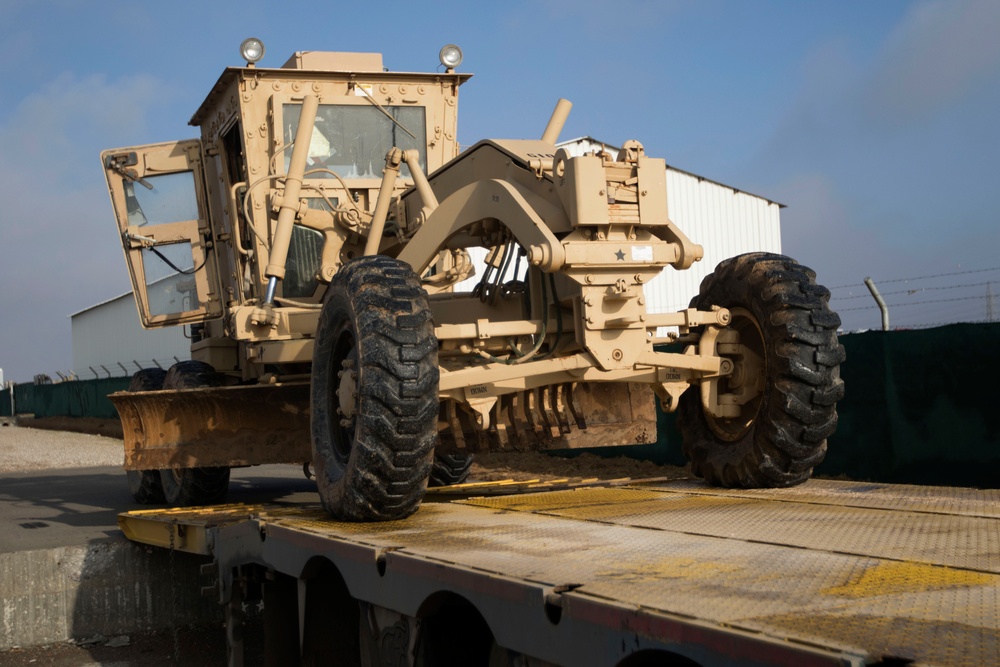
x: 583, y: 141
x: 98, y: 305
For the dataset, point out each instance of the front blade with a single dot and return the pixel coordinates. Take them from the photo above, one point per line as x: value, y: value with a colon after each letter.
x: 215, y: 426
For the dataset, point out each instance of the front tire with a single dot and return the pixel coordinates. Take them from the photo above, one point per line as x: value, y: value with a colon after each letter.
x: 374, y: 395
x: 790, y: 334
x: 183, y: 487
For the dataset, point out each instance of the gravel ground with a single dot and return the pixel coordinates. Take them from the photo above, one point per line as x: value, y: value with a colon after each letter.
x: 25, y: 449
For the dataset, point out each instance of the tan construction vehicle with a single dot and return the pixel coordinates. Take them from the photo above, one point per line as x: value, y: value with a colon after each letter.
x: 317, y: 243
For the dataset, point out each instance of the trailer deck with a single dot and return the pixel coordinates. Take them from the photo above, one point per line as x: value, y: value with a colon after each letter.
x: 827, y: 573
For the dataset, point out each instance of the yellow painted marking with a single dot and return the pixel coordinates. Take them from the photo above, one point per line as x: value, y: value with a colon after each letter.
x: 891, y: 577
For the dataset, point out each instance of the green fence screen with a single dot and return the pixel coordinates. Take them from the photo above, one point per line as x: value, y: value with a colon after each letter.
x: 918, y: 409
x: 80, y: 398
x: 6, y: 409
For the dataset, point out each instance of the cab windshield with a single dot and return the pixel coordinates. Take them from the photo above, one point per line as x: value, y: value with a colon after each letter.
x: 353, y: 140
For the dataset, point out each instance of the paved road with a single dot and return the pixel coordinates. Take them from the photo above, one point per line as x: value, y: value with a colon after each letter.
x: 71, y: 506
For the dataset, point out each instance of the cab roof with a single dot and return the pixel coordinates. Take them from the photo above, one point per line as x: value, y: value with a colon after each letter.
x: 319, y: 65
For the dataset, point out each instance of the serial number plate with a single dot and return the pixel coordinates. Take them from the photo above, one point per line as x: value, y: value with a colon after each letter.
x: 642, y: 253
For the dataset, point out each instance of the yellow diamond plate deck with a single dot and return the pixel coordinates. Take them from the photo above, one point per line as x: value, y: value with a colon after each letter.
x: 876, y: 571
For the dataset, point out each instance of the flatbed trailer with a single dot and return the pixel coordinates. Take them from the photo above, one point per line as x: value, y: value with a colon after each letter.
x: 620, y: 574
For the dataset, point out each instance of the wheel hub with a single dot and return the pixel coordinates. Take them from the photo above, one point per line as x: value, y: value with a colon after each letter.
x: 745, y: 384
x: 347, y: 390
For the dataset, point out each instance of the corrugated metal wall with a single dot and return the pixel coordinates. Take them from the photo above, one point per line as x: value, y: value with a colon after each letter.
x: 109, y: 334
x: 726, y: 222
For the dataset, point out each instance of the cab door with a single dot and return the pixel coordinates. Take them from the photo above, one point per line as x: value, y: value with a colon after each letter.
x: 158, y: 193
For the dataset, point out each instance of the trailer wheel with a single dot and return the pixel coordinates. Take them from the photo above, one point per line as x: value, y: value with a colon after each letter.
x: 793, y: 358
x: 374, y: 392
x: 145, y: 485
x: 450, y: 468
x: 193, y: 486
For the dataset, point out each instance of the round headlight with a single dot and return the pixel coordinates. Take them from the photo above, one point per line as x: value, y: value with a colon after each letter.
x: 252, y: 49
x: 450, y: 56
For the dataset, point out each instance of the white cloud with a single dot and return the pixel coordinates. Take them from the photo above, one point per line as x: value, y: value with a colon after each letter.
x: 936, y: 56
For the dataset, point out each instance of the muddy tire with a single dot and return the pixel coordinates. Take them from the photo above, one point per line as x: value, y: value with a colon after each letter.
x: 780, y: 435
x: 450, y: 468
x: 193, y: 486
x: 374, y: 390
x: 145, y: 485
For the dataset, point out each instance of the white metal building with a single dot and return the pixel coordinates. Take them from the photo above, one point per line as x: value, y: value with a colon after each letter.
x: 108, y: 341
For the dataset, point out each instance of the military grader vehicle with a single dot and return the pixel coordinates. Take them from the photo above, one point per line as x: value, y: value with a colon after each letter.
x: 317, y: 242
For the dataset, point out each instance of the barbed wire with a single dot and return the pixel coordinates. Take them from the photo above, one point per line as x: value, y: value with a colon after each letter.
x: 916, y: 303
x: 114, y: 369
x: 915, y: 278
x: 922, y: 325
x: 868, y: 295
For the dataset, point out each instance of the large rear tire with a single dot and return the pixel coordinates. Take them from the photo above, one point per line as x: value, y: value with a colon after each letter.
x: 145, y: 485
x: 183, y: 487
x: 450, y: 468
x: 790, y: 335
x: 374, y: 392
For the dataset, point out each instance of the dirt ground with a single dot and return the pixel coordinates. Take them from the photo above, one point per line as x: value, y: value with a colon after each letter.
x: 196, y: 647
x: 111, y: 428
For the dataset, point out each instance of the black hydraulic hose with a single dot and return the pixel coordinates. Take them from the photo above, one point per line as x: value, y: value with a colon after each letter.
x: 173, y: 266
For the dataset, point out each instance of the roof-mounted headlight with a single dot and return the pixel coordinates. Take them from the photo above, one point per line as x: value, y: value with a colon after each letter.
x: 252, y: 50
x: 450, y: 56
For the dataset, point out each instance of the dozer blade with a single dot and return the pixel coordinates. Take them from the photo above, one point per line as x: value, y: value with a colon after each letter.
x: 215, y: 426
x: 563, y: 416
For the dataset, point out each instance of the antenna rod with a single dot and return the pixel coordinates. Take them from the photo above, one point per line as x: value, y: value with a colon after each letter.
x: 556, y: 122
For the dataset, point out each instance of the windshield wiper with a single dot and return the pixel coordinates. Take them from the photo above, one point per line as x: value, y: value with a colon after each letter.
x: 119, y: 162
x: 382, y: 109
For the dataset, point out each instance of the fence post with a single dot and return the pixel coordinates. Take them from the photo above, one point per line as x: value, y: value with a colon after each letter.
x: 880, y: 301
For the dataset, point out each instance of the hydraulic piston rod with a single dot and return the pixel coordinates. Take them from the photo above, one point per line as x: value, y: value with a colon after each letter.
x: 275, y: 269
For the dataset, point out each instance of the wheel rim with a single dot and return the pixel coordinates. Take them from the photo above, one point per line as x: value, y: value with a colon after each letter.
x: 746, y: 380
x: 344, y: 395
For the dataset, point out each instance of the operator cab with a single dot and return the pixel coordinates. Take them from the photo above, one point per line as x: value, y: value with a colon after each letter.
x: 197, y: 217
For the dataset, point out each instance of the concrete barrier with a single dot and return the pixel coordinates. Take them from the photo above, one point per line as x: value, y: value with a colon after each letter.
x: 108, y: 587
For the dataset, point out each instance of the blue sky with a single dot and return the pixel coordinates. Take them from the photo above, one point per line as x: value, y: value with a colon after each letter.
x: 874, y: 122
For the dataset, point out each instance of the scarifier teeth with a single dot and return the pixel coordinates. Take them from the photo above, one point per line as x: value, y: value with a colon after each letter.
x: 523, y: 420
